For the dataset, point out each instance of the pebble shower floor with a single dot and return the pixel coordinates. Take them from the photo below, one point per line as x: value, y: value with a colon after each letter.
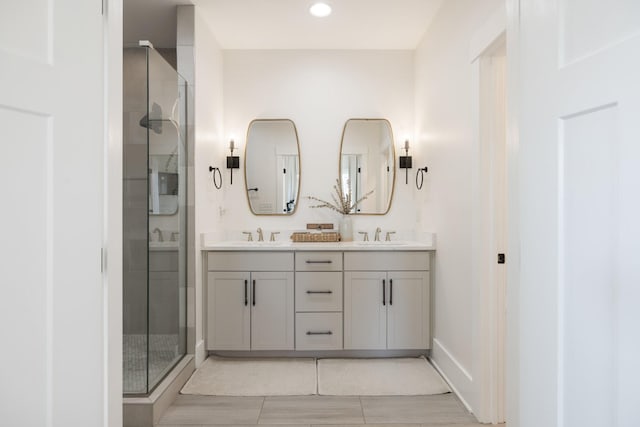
x: 163, y: 351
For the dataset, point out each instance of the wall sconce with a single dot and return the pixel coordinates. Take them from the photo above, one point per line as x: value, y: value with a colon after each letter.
x: 233, y: 162
x: 406, y: 161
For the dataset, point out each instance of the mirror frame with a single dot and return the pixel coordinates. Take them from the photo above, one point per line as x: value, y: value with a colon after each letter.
x: 246, y: 144
x: 393, y: 150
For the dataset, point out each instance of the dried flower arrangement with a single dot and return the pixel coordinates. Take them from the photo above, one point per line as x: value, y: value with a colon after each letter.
x: 341, y: 201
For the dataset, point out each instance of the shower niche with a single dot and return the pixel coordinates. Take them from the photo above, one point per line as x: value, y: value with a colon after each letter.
x: 155, y: 124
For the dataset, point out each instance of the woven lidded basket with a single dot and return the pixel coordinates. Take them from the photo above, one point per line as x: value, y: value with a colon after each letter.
x: 302, y: 236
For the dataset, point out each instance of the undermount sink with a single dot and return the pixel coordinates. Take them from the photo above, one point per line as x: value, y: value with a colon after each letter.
x: 247, y: 244
x: 164, y: 246
x: 382, y: 243
x: 167, y: 244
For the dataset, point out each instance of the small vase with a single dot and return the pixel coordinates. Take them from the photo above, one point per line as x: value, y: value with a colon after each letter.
x: 346, y: 228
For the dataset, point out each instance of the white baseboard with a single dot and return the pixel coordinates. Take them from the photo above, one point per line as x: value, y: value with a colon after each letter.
x: 453, y: 373
x: 200, y: 353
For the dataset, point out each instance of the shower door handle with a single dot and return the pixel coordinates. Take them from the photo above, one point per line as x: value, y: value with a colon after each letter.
x: 246, y: 296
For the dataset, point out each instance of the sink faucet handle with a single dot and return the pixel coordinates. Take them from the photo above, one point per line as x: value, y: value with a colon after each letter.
x: 365, y: 237
x: 388, y: 236
x: 273, y: 236
x: 249, y: 236
x: 260, y: 235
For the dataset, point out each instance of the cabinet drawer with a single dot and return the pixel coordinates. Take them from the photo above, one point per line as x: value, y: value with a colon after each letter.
x: 318, y: 331
x: 318, y: 261
x: 319, y: 291
x: 386, y: 261
x: 250, y: 261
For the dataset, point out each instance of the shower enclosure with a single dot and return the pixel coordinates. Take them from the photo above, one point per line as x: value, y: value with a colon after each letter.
x: 154, y: 219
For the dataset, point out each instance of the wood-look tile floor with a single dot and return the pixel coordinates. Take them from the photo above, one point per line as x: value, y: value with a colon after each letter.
x: 443, y: 410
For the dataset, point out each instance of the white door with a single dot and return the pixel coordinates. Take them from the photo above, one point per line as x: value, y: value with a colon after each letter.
x: 408, y: 310
x: 365, y: 310
x: 272, y: 312
x: 52, y: 309
x: 228, y: 311
x: 579, y: 212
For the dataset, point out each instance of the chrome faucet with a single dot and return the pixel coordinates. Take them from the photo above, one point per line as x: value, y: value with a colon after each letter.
x: 388, y: 237
x: 249, y: 236
x: 160, y: 237
x: 377, y: 236
x: 365, y: 235
x: 260, y: 235
x: 273, y: 236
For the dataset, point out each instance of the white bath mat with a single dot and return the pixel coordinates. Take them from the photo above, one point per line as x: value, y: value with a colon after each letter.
x: 253, y: 377
x: 378, y: 377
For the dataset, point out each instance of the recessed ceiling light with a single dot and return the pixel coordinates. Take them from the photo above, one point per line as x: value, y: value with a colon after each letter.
x: 320, y: 10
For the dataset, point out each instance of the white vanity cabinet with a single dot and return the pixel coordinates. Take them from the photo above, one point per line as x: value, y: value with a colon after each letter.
x: 250, y: 301
x: 386, y: 300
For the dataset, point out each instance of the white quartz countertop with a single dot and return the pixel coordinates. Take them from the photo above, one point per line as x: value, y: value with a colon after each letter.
x: 319, y: 246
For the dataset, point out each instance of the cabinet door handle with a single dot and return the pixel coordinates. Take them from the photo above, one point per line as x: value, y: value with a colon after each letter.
x: 246, y: 297
x: 384, y: 292
x: 319, y: 333
x: 310, y: 261
x: 319, y: 292
x: 254, y: 293
x: 390, y: 291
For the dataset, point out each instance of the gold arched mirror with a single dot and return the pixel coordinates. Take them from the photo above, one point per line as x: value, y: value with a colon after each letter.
x: 272, y: 167
x: 368, y: 164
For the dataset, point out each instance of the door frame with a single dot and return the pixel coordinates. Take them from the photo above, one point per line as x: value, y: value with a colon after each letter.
x: 112, y: 227
x: 512, y: 347
x: 488, y: 397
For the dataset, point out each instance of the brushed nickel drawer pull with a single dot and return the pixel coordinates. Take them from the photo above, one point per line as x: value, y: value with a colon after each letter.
x: 310, y: 261
x: 319, y: 292
x: 319, y: 333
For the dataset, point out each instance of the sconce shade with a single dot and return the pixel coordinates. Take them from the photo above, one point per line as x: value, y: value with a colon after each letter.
x: 406, y: 162
x: 233, y: 162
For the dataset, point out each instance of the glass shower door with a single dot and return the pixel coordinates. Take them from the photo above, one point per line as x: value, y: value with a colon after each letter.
x: 167, y: 218
x: 154, y: 219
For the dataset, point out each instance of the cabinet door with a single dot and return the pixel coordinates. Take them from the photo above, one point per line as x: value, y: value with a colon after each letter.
x: 408, y: 310
x: 365, y: 311
x: 228, y: 312
x: 272, y: 314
